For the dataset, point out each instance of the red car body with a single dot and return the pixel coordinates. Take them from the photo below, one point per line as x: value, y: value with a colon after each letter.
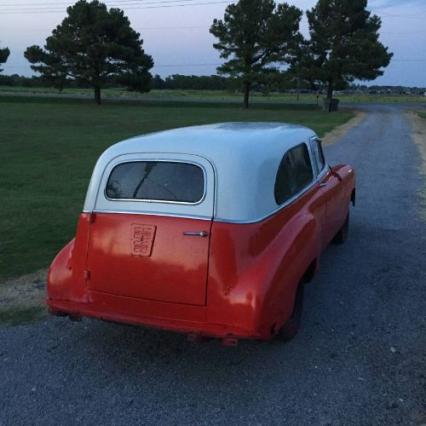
x: 203, y: 277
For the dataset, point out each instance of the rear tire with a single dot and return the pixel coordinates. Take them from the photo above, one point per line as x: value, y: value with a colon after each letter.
x: 292, y: 326
x: 343, y: 233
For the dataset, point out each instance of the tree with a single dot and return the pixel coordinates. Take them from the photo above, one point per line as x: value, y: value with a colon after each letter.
x: 157, y: 82
x: 52, y: 69
x: 302, y: 70
x: 255, y: 36
x: 4, y: 54
x: 93, y: 46
x: 344, y: 44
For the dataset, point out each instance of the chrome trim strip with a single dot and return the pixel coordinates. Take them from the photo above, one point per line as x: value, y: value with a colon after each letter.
x: 150, y: 214
x: 313, y: 139
x: 202, y: 234
x: 323, y: 172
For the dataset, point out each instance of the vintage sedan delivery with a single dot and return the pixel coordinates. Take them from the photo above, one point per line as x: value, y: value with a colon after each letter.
x: 209, y: 230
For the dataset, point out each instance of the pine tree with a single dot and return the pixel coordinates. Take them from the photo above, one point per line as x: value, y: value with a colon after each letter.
x: 94, y: 46
x: 344, y: 44
x: 254, y: 37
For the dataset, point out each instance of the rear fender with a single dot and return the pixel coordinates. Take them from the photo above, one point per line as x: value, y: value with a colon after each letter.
x: 255, y: 270
x: 287, y: 265
x: 59, y: 278
x: 66, y: 278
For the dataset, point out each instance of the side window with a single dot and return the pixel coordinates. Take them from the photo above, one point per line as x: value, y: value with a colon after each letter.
x: 156, y: 181
x: 319, y: 155
x: 294, y: 173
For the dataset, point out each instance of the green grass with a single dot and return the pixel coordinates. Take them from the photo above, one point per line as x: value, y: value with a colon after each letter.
x: 214, y: 95
x: 422, y: 115
x: 48, y: 148
x: 20, y: 316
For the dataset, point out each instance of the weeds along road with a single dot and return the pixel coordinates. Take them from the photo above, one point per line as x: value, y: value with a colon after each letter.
x: 359, y: 358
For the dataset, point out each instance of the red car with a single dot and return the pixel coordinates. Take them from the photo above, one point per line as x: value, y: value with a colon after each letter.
x: 210, y: 230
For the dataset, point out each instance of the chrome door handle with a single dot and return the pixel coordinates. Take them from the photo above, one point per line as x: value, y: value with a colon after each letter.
x: 323, y: 185
x: 202, y: 234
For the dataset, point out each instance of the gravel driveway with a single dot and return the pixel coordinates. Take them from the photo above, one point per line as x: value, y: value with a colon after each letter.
x: 359, y: 358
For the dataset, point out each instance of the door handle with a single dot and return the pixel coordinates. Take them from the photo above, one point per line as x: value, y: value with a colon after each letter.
x: 323, y: 185
x: 202, y: 234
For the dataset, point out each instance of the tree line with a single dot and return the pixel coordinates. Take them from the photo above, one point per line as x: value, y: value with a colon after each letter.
x: 279, y: 83
x: 259, y: 40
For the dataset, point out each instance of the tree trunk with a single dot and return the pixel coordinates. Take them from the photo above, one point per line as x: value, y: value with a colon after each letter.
x: 98, y: 95
x: 247, y: 87
x: 330, y: 95
x: 298, y: 89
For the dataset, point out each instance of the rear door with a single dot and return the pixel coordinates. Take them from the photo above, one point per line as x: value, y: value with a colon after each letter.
x: 150, y: 232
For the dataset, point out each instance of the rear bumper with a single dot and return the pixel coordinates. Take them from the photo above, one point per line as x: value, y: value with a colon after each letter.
x: 167, y: 316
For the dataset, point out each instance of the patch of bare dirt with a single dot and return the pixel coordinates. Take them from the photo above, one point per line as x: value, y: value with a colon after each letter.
x: 27, y: 291
x: 340, y: 131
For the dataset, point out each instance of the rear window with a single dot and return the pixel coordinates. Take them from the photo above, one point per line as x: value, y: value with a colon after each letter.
x: 294, y: 173
x: 156, y: 181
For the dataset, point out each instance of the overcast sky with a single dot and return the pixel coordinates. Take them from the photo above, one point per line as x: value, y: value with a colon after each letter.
x: 178, y: 39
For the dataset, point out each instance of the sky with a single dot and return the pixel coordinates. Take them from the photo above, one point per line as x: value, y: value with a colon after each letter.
x: 175, y: 33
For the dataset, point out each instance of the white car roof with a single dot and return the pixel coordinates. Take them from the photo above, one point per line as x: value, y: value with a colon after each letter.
x: 244, y: 156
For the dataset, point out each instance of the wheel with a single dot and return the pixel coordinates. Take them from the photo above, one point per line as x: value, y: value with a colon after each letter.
x: 291, y: 327
x: 343, y: 233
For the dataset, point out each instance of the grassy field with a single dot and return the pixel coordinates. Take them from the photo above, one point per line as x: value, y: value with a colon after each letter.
x: 48, y: 148
x: 212, y: 95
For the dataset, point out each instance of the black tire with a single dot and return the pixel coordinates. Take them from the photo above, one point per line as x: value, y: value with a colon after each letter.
x: 343, y: 233
x: 292, y: 326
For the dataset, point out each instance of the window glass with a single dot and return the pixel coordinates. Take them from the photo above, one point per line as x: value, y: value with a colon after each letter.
x: 294, y: 173
x: 320, y: 155
x: 156, y: 181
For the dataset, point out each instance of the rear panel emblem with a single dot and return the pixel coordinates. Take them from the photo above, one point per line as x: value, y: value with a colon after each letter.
x: 142, y: 239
